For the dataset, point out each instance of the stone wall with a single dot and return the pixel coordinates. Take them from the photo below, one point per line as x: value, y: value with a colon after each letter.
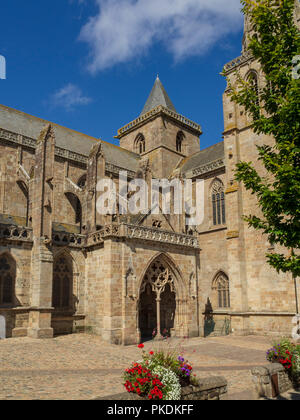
x: 266, y: 379
x: 211, y: 389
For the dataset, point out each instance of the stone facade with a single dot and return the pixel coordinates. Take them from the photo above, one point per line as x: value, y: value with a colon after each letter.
x: 65, y: 268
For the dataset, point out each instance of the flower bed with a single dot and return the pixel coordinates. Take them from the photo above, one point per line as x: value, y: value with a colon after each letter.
x: 160, y: 375
x: 288, y: 355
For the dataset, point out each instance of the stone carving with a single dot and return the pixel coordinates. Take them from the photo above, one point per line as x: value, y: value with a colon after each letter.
x: 158, y: 276
x: 130, y: 283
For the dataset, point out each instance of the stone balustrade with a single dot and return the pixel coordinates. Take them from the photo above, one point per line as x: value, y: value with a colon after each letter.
x: 144, y: 233
x: 31, y: 143
x: 16, y: 233
x: 237, y: 61
x: 154, y: 112
x: 69, y: 239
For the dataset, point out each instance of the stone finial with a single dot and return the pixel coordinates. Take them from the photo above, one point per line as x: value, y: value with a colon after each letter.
x: 96, y: 150
x: 46, y: 132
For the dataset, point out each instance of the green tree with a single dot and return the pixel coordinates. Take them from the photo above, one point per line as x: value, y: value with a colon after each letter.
x: 275, y: 110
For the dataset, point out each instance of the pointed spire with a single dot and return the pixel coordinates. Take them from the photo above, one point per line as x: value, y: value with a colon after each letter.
x: 158, y: 96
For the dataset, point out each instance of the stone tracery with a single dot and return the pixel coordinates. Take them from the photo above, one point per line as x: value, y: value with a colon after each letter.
x: 158, y: 285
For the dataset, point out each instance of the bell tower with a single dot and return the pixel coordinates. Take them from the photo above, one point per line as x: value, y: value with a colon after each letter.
x: 161, y: 134
x: 246, y: 248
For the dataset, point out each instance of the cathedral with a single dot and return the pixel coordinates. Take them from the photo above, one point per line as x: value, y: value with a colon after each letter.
x: 65, y: 268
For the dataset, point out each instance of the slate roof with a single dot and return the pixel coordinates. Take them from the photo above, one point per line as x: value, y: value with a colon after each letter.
x: 65, y: 138
x: 158, y: 96
x: 203, y: 157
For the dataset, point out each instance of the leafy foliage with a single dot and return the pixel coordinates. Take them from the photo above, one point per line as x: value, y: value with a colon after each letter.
x: 286, y: 353
x: 275, y: 110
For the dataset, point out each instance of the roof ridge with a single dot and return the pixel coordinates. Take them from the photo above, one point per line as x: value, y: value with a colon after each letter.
x: 44, y: 121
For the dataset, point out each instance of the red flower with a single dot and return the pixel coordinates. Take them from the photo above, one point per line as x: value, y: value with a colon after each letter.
x: 151, y: 353
x: 141, y: 346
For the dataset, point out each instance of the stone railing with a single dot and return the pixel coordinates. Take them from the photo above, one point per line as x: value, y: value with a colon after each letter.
x: 237, y: 61
x: 113, y: 169
x: 203, y: 169
x: 144, y: 233
x: 30, y: 142
x: 98, y: 237
x: 69, y: 239
x: 154, y: 112
x: 272, y: 380
x: 148, y: 234
x: 16, y: 233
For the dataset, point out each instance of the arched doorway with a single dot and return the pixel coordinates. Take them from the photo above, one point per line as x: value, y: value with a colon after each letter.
x: 157, y: 303
x: 62, y: 295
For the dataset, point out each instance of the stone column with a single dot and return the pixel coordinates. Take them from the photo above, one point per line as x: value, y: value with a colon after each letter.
x: 95, y: 172
x: 158, y: 315
x: 42, y: 258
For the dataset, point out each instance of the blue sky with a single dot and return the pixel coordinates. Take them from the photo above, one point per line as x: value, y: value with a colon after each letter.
x: 91, y: 64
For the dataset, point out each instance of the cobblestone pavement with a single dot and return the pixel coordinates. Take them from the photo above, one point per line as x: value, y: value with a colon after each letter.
x: 83, y: 366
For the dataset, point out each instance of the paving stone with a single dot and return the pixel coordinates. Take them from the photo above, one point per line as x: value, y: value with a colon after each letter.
x: 84, y: 367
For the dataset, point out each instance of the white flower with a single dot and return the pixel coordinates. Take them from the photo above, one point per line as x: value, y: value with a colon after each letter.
x: 171, y: 382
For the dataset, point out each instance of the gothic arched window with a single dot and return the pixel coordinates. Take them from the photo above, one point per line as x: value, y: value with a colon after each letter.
x: 62, y: 283
x: 140, y: 144
x: 7, y: 280
x: 221, y: 287
x: 179, y: 141
x: 218, y: 203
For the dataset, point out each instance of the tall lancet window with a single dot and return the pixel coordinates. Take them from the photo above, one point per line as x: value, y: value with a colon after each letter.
x: 222, y: 290
x: 7, y: 279
x: 218, y: 203
x: 140, y: 144
x: 179, y: 141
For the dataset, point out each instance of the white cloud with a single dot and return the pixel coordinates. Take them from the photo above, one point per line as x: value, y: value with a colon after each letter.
x: 126, y: 29
x: 69, y: 97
